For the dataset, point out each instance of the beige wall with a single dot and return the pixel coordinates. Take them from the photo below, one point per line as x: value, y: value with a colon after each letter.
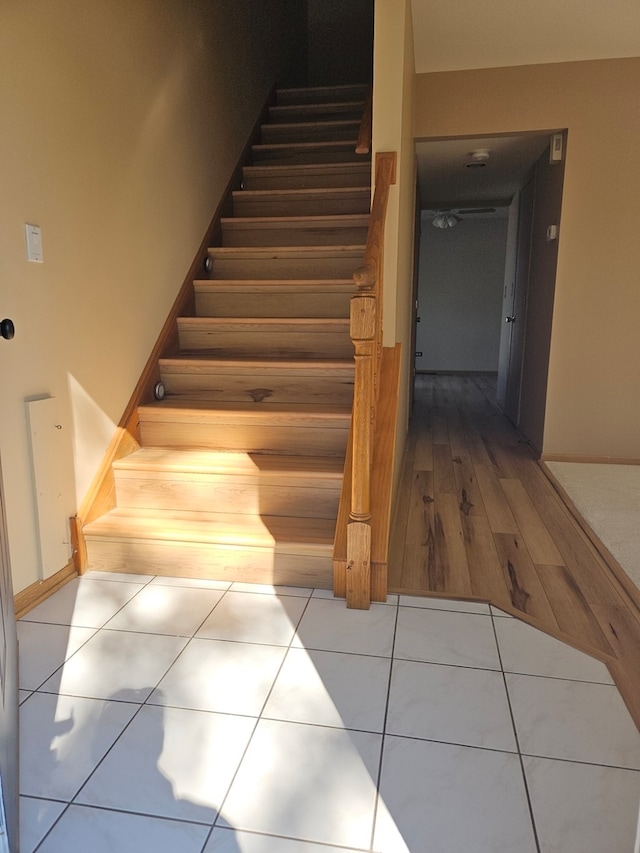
x: 120, y: 124
x: 393, y: 79
x: 593, y: 399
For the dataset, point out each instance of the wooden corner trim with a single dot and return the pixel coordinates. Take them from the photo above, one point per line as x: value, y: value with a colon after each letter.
x: 595, y: 460
x: 35, y: 594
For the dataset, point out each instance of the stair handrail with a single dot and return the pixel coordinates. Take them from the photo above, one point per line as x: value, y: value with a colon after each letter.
x: 363, y: 144
x: 366, y: 334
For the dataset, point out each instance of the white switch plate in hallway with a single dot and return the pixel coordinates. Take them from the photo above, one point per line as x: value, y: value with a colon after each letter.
x: 34, y: 243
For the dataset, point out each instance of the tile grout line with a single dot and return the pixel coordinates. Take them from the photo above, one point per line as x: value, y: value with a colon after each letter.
x: 50, y: 830
x: 384, y: 727
x: 109, y: 809
x: 517, y: 740
x: 258, y: 718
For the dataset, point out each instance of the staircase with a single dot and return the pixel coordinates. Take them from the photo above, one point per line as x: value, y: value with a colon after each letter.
x: 239, y: 472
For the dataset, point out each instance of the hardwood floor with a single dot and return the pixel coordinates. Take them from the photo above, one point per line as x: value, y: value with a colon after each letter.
x: 477, y: 518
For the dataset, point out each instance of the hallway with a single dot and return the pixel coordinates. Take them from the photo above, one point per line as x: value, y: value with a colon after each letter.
x: 479, y: 520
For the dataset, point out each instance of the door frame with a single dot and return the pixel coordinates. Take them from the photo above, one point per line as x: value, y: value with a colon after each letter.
x: 9, y: 739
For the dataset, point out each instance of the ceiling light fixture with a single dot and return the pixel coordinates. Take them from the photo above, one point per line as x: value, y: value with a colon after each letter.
x: 478, y: 159
x: 445, y: 219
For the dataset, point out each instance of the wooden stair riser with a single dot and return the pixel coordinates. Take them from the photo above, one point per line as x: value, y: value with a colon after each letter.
x: 319, y: 202
x: 303, y: 231
x: 299, y: 113
x: 310, y: 131
x: 274, y: 301
x: 245, y: 436
x: 315, y: 498
x: 275, y: 265
x: 273, y: 387
x: 211, y: 562
x: 318, y: 176
x: 306, y: 153
x: 322, y: 94
x: 332, y: 340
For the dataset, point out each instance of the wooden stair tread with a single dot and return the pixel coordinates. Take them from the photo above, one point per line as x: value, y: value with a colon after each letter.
x: 228, y: 411
x: 307, y: 168
x: 312, y: 129
x: 214, y: 528
x: 312, y: 366
x: 300, y: 152
x: 245, y: 231
x: 272, y: 252
x: 327, y: 221
x: 326, y: 106
x: 303, y: 193
x: 311, y: 324
x: 347, y: 145
x: 313, y: 94
x: 273, y: 170
x: 312, y: 122
x: 302, y: 285
x: 299, y: 176
x: 162, y: 459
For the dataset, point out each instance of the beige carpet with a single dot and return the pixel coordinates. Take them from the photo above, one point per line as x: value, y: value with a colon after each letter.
x: 608, y: 498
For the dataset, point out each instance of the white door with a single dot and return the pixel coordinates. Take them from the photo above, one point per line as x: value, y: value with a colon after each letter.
x: 517, y: 319
x: 9, y: 799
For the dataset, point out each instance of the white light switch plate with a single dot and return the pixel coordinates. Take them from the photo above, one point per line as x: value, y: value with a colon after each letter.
x: 34, y: 243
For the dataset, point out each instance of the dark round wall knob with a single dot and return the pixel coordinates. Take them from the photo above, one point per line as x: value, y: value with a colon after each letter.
x: 7, y: 329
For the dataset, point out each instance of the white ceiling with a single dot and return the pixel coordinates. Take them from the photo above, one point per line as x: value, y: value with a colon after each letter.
x: 468, y: 34
x: 457, y: 34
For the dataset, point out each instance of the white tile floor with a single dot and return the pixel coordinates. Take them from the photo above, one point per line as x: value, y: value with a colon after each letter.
x: 168, y: 716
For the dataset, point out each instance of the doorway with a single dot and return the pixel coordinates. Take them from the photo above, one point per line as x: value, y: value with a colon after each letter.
x: 473, y: 317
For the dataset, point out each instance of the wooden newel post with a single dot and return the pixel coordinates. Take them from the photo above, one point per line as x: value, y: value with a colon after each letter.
x: 363, y: 330
x: 366, y: 334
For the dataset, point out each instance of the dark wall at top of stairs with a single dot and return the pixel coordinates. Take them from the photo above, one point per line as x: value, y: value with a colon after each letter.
x: 340, y: 48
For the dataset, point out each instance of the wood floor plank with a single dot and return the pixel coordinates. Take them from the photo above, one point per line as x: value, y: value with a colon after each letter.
x: 419, y: 553
x: 526, y: 591
x: 487, y: 576
x: 451, y: 564
x: 399, y: 524
x: 457, y: 438
x: 439, y: 429
x: 418, y: 567
x: 495, y: 501
x: 423, y: 452
x: 469, y: 494
x: 420, y: 509
x: 500, y: 457
x: 475, y: 443
x: 536, y: 536
x: 444, y: 480
x: 571, y: 608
